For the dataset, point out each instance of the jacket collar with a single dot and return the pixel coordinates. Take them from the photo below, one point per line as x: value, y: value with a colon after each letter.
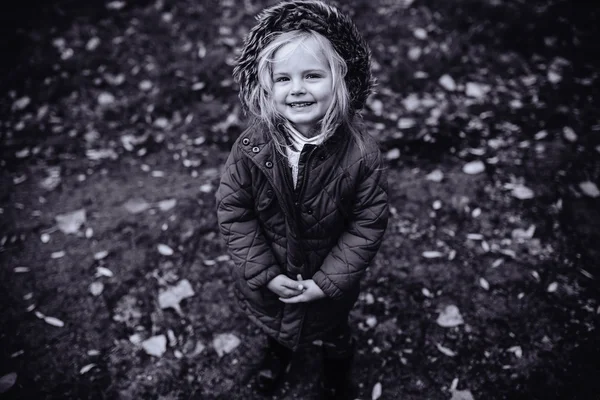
x: 257, y: 144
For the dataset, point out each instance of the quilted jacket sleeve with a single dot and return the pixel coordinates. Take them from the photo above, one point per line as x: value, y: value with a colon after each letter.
x: 239, y: 226
x: 358, y: 245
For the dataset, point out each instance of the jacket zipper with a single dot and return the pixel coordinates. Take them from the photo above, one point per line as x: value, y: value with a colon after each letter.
x: 298, y: 195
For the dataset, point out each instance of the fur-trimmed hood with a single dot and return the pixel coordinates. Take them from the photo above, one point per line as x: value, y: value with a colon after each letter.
x: 322, y: 18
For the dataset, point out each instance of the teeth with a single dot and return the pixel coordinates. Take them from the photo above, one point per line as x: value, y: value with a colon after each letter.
x: 300, y: 104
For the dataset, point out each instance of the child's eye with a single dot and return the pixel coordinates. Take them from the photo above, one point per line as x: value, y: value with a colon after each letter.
x: 313, y: 76
x: 281, y: 79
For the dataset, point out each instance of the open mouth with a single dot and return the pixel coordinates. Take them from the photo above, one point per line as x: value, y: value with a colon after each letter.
x: 300, y: 104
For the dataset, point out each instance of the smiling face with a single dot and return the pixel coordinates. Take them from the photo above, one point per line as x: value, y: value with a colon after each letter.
x: 302, y: 84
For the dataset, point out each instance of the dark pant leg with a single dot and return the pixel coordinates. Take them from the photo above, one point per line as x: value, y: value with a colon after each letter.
x: 339, y: 343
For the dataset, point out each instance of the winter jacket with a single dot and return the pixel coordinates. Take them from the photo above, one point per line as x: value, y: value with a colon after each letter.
x: 329, y: 228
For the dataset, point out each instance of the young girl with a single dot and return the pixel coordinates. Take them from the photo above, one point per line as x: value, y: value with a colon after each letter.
x: 302, y: 203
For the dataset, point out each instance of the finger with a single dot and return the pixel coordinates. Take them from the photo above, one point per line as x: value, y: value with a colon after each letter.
x: 299, y: 277
x: 295, y: 286
x: 292, y: 293
x: 292, y: 300
x: 288, y: 282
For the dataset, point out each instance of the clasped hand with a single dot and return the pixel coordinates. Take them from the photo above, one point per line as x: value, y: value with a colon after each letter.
x: 291, y: 291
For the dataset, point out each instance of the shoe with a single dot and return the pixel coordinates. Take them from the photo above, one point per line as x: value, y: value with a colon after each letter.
x: 273, y: 367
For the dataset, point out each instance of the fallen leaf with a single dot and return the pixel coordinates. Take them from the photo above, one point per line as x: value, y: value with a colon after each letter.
x: 155, y: 346
x: 70, y: 222
x: 377, y: 106
x: 541, y: 135
x: 393, y: 154
x: 115, y: 5
x: 100, y: 255
x: 589, y: 189
x: 414, y: 53
x: 101, y: 154
x: 20, y: 270
x: 452, y: 255
x: 172, y: 296
x: 447, y: 82
x: 54, y: 321
x: 164, y: 249
x: 475, y: 236
x: 411, y: 102
x: 508, y: 252
x: 136, y: 206
x: 377, y: 391
x: 519, y: 233
x: 206, y: 188
x: 145, y: 85
x: 445, y: 350
x: 476, y: 90
x: 23, y: 153
x: 92, y: 44
x: 86, y: 368
x: 516, y: 350
x: 96, y: 288
x: 554, y: 77
x: 103, y: 271
x: 225, y: 343
x: 166, y: 205
x: 432, y: 254
x: 459, y: 394
x: 420, y: 33
x: 198, y: 349
x: 198, y: 86
x: 105, y: 99
x: 450, y: 317
x: 484, y: 284
x: 474, y: 167
x: 129, y: 141
x: 552, y: 287
x: 569, y: 134
x: 57, y: 254
x: 21, y: 103
x: 462, y: 395
x: 161, y: 122
x: 371, y: 322
x: 172, y: 338
x: 522, y: 192
x: 19, y: 179
x: 136, y: 338
x: 435, y: 176
x: 7, y: 381
x: 406, y: 123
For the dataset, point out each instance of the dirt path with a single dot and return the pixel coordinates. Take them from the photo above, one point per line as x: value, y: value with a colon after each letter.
x: 492, y: 160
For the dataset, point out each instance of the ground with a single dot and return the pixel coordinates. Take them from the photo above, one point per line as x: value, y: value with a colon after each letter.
x: 117, y: 117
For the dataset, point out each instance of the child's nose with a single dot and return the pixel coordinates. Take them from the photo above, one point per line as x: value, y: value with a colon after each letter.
x: 297, y: 86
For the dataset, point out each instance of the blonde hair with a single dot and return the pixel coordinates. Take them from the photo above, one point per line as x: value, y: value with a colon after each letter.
x: 262, y: 106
